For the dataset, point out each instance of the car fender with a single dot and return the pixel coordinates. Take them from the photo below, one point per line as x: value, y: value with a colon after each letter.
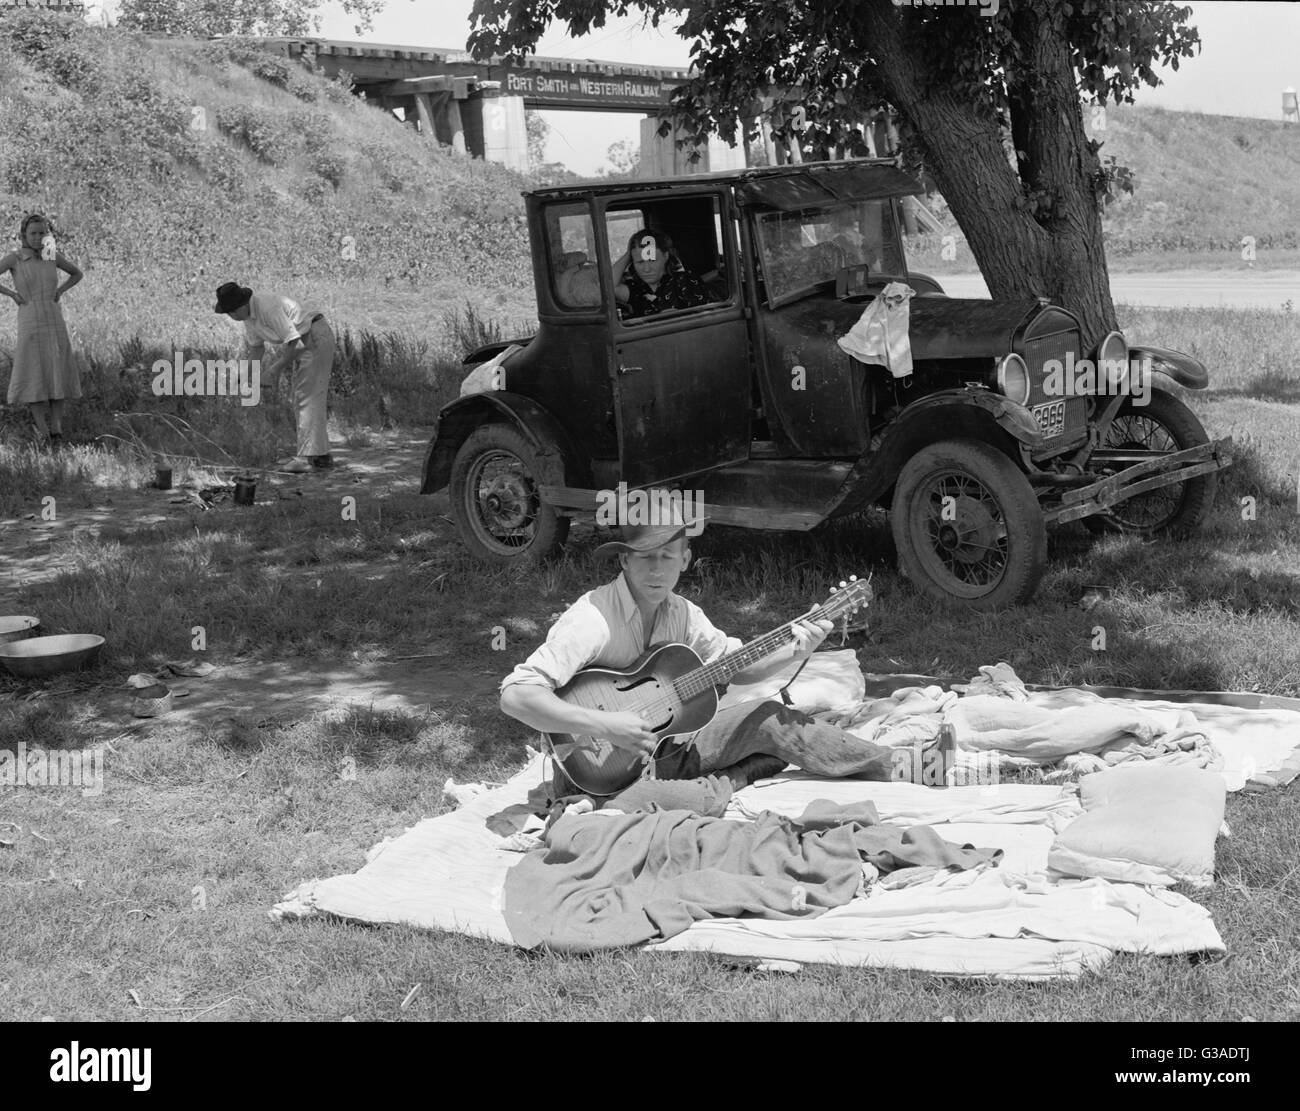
x: 972, y: 413
x: 1171, y: 366
x: 488, y: 350
x: 458, y: 419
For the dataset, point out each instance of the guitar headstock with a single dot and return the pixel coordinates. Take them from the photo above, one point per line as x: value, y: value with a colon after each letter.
x: 849, y: 597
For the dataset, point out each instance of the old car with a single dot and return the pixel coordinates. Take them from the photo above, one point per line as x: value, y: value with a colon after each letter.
x: 748, y: 399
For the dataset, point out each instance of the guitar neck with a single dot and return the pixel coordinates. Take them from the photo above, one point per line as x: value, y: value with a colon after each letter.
x: 726, y: 668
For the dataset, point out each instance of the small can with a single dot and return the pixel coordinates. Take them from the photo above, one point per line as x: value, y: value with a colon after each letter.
x: 151, y: 702
x: 162, y: 478
x: 245, y: 489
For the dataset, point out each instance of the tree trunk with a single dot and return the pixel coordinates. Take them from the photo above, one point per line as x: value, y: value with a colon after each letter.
x: 1059, y: 254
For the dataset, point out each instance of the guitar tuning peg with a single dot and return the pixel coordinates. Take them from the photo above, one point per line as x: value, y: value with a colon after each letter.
x: 853, y: 578
x: 843, y: 584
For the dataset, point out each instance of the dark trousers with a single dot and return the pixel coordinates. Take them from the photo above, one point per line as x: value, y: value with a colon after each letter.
x: 759, y: 739
x: 773, y: 729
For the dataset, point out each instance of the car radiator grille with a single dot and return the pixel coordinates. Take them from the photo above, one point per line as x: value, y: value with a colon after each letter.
x: 1062, y: 419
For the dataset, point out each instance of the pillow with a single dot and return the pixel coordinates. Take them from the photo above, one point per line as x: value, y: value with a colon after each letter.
x: 831, y: 680
x: 1148, y: 824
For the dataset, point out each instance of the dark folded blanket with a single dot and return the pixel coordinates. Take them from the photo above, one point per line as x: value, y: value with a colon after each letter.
x: 608, y: 880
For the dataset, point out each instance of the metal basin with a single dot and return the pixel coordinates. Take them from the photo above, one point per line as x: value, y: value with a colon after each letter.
x: 17, y: 628
x: 37, y: 657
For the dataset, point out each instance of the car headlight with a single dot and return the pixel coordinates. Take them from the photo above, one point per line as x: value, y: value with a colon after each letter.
x: 1013, y: 379
x: 1111, y: 361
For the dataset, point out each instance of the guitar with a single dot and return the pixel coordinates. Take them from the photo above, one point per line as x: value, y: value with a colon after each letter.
x: 671, y: 687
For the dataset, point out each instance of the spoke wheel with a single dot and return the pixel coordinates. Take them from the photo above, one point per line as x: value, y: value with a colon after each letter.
x: 495, y: 500
x: 1162, y: 426
x: 967, y: 526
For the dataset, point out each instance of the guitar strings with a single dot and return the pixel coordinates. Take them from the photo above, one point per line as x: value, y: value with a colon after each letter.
x: 662, y: 702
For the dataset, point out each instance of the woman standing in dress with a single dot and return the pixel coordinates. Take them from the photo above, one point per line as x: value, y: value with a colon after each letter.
x: 43, y: 375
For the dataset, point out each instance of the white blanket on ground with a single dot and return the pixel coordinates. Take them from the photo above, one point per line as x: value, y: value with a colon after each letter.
x: 1248, y: 747
x: 448, y: 872
x: 1256, y: 745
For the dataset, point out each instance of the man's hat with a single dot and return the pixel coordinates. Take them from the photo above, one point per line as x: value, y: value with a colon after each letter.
x: 231, y: 296
x: 643, y: 538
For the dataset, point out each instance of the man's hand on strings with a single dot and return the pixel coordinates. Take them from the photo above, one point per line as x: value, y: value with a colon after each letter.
x: 628, y: 730
x: 808, y: 636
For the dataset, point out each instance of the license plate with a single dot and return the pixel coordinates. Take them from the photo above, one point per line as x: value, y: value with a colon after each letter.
x: 1050, y: 418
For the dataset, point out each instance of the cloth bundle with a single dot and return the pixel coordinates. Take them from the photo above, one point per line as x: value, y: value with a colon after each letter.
x: 490, y: 375
x: 909, y: 716
x: 609, y: 879
x: 881, y: 333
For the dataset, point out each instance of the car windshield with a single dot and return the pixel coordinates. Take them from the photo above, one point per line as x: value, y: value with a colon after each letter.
x: 802, y: 250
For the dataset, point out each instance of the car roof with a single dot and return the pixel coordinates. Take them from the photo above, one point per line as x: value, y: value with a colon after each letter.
x: 799, y: 185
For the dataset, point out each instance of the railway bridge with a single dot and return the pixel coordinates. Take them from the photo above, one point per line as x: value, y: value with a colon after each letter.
x: 477, y: 107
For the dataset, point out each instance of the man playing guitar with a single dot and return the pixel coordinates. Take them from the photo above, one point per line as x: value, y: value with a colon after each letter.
x: 613, y: 625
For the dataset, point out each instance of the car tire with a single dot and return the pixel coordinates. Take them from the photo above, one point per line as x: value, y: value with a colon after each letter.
x: 495, y: 500
x: 1166, y: 424
x: 990, y: 554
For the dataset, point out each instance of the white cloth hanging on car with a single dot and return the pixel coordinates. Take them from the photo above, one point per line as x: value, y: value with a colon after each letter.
x: 881, y: 333
x: 490, y: 375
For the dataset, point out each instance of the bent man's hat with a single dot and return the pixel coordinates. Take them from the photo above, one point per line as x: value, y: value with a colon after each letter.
x: 643, y: 538
x: 231, y: 296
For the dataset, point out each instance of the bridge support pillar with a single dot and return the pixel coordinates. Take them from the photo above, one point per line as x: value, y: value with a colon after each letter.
x: 868, y: 137
x: 662, y: 157
x: 495, y: 127
x: 447, y: 124
x: 424, y: 111
x: 769, y: 143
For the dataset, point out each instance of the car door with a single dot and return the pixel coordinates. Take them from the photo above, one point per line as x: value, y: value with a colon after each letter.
x: 682, y: 378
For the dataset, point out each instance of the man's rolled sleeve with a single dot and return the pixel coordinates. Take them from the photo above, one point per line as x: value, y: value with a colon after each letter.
x: 573, y: 642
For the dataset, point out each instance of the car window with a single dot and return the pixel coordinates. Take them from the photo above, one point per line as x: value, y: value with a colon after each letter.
x: 802, y: 250
x: 572, y: 256
x: 691, y: 273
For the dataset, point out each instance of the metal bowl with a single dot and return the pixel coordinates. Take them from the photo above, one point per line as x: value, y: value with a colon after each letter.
x: 37, y: 657
x: 17, y: 628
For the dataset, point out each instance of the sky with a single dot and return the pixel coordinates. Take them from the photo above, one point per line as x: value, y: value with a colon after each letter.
x: 1250, y: 52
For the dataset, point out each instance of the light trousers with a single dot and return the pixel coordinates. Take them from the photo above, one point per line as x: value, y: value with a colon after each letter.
x: 311, y: 383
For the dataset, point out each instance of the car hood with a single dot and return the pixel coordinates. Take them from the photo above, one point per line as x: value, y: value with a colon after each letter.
x: 939, y: 327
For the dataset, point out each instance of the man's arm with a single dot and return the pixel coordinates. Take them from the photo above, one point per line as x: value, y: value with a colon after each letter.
x: 542, y: 709
x: 287, y: 353
x: 528, y: 693
x: 273, y: 318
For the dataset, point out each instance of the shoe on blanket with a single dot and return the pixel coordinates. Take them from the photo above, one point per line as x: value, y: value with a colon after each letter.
x: 296, y: 465
x: 753, y: 768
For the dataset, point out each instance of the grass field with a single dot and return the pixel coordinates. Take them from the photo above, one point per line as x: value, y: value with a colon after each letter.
x: 149, y: 900
x: 99, y: 895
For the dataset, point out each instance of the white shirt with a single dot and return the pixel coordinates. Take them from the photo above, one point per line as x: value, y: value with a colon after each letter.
x: 603, y: 628
x: 274, y: 319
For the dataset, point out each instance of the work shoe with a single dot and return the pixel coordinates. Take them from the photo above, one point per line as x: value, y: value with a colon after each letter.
x: 321, y: 462
x: 297, y: 465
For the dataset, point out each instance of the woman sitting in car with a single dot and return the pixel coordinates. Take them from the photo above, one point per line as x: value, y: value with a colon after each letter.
x: 656, y: 281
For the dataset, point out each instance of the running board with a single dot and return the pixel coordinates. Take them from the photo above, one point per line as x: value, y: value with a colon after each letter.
x: 571, y: 501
